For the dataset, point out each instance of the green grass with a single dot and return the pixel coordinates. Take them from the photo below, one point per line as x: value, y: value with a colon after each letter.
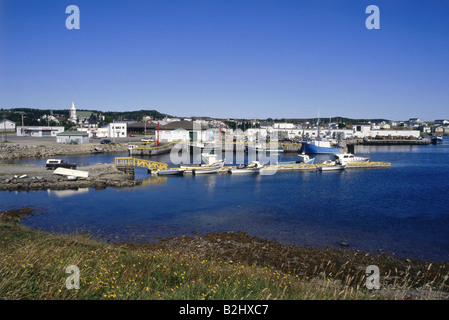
x: 33, y: 264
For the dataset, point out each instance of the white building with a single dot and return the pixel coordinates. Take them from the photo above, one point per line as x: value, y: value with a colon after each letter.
x: 442, y: 122
x: 72, y: 137
x: 7, y: 125
x: 38, y: 131
x: 365, y: 130
x: 186, y: 131
x: 283, y: 125
x: 117, y: 130
x: 111, y: 130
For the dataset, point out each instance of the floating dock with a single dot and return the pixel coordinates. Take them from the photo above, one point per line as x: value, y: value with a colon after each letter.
x: 313, y: 167
x: 128, y: 163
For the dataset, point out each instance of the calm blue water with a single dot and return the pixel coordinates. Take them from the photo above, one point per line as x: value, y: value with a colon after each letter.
x: 403, y: 210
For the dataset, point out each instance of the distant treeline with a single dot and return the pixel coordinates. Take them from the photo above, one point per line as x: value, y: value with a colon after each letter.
x: 31, y: 116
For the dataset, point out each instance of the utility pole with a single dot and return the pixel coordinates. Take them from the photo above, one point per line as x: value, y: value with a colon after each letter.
x: 4, y: 127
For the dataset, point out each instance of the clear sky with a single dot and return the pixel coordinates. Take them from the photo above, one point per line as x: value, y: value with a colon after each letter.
x: 229, y: 58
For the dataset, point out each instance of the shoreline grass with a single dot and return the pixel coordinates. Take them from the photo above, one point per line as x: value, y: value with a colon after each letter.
x: 33, y: 266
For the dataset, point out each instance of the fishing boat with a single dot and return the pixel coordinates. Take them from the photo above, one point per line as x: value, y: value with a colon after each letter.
x: 208, y: 160
x: 437, y: 139
x: 210, y: 164
x: 319, y: 146
x: 331, y: 166
x: 305, y: 158
x: 206, y: 170
x: 345, y: 158
x: 253, y: 167
x: 171, y: 172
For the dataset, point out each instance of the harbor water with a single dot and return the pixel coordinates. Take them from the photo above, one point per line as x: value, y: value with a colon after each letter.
x: 402, y: 210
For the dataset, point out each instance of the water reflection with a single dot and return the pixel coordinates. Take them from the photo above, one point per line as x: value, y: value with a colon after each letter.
x: 67, y: 193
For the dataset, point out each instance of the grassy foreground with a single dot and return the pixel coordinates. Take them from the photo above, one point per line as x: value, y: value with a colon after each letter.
x: 33, y: 266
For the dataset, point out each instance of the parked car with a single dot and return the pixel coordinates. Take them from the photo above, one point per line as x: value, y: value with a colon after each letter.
x: 105, y: 141
x: 58, y: 163
x: 132, y: 135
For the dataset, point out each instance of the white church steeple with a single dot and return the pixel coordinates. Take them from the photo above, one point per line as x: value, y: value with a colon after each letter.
x: 73, y: 113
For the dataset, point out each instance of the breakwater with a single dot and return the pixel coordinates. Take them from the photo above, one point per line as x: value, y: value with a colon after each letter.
x: 23, y: 151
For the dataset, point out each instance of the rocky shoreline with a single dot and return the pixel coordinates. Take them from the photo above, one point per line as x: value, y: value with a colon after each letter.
x: 23, y: 151
x: 27, y: 178
x: 400, y: 278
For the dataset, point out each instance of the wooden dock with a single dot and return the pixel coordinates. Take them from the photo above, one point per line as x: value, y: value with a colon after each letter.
x: 313, y: 167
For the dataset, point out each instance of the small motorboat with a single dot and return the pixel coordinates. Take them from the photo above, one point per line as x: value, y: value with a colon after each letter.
x: 254, y: 167
x: 209, y: 160
x: 305, y: 158
x: 330, y: 166
x: 171, y: 172
x: 345, y: 158
x: 206, y: 170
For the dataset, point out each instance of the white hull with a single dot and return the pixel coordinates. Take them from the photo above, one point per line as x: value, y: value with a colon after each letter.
x: 244, y: 171
x: 345, y: 158
x: 171, y: 172
x: 331, y: 167
x: 206, y: 170
x: 254, y: 167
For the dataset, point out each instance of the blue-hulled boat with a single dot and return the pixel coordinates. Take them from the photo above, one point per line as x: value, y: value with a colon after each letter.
x: 320, y: 146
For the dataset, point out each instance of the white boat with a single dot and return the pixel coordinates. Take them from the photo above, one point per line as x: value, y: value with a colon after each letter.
x: 209, y: 160
x: 254, y: 167
x: 330, y: 166
x: 171, y: 172
x: 305, y: 158
x: 205, y: 170
x: 345, y: 158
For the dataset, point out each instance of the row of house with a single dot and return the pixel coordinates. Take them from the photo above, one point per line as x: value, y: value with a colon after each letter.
x: 176, y: 129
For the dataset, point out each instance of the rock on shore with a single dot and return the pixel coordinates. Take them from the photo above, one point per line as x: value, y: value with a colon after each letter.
x: 24, y: 178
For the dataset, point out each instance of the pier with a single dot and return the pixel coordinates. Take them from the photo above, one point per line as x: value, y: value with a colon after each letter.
x: 313, y: 167
x: 128, y: 164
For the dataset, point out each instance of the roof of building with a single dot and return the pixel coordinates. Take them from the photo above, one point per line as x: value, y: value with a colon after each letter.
x: 141, y: 124
x: 84, y: 114
x: 6, y: 120
x: 73, y: 133
x: 187, y: 125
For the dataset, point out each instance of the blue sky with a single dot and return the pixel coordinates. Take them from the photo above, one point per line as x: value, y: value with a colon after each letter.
x: 229, y: 59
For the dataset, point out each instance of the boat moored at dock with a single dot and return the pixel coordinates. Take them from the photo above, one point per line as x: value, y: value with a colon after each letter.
x: 345, y: 158
x: 330, y: 167
x: 171, y: 172
x: 254, y: 167
x: 206, y: 170
x: 320, y: 146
